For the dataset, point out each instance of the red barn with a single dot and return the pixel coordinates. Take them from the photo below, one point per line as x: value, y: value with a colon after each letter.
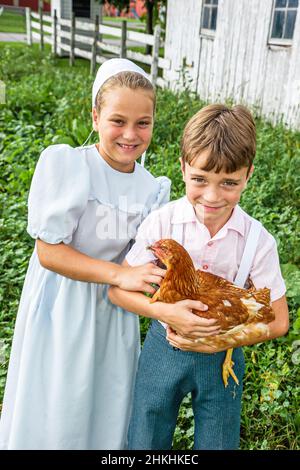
x: 33, y: 4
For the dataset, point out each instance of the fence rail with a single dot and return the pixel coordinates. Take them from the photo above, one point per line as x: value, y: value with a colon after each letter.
x: 79, y: 38
x: 13, y: 9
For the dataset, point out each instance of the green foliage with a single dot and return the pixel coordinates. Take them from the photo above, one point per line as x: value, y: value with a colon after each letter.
x: 48, y: 102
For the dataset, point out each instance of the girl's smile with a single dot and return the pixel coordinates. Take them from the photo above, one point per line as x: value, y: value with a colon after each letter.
x: 128, y: 149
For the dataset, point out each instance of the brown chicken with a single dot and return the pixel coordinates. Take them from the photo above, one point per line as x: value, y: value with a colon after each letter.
x: 234, y: 308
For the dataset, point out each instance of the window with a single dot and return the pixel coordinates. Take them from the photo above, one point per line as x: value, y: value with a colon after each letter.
x: 209, y: 16
x: 283, y: 21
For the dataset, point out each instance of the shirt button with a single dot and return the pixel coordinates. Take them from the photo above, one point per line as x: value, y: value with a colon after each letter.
x: 210, y: 243
x: 205, y: 266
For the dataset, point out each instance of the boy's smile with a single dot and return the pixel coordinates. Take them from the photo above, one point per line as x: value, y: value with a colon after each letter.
x: 213, y: 195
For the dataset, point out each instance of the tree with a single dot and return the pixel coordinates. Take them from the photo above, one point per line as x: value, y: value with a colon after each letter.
x: 153, y: 7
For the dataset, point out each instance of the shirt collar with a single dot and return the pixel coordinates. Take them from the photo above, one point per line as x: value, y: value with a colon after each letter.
x: 236, y: 221
x: 185, y: 214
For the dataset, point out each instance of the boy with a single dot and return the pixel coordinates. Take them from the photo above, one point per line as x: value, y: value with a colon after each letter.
x: 218, y: 148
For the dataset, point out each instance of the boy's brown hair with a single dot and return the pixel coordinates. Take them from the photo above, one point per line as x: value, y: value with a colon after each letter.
x: 229, y: 134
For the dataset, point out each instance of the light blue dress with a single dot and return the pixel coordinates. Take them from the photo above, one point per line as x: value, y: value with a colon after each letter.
x: 74, y: 354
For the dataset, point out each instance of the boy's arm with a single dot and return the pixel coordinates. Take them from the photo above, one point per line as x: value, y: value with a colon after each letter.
x: 279, y: 326
x: 251, y: 335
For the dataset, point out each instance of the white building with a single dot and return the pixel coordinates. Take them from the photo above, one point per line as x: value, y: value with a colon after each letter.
x: 81, y: 8
x: 247, y: 51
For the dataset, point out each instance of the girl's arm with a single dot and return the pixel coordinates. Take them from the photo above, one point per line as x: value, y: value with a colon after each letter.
x: 68, y: 262
x: 276, y: 328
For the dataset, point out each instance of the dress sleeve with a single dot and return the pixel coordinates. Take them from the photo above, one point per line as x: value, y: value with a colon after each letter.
x: 266, y: 271
x: 58, y: 194
x: 163, y: 195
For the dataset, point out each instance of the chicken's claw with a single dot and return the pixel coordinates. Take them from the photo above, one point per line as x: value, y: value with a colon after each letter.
x: 228, y: 368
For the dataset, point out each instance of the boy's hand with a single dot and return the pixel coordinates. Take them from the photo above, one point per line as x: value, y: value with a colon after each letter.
x: 185, y: 344
x: 180, y: 318
x: 140, y: 278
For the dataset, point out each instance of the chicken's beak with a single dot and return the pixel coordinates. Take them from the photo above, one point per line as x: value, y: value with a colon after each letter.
x: 158, y: 253
x: 152, y: 248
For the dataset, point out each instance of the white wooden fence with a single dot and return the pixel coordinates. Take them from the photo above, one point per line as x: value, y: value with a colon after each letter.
x: 80, y: 38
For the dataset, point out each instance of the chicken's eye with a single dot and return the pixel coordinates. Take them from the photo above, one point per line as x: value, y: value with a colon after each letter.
x: 165, y: 250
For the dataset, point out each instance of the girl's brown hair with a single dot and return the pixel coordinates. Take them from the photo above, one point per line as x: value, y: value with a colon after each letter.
x: 132, y: 80
x: 229, y: 135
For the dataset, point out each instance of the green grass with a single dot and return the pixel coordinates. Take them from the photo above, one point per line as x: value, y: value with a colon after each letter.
x: 116, y: 19
x: 49, y: 102
x: 141, y: 49
x: 12, y: 23
x: 16, y: 44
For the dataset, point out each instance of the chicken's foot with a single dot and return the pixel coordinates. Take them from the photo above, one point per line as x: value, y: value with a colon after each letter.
x: 228, y: 368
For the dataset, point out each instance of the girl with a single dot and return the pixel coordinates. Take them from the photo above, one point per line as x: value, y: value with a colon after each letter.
x: 74, y: 354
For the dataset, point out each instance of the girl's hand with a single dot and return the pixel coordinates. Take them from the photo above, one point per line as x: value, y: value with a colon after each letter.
x: 139, y: 278
x: 184, y: 322
x: 185, y: 344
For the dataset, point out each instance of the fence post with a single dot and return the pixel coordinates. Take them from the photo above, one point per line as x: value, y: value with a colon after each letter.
x: 99, y: 30
x: 41, y: 29
x: 155, y: 54
x: 94, y: 47
x: 123, y: 39
x: 54, y: 32
x: 58, y: 37
x: 28, y: 26
x: 72, y: 41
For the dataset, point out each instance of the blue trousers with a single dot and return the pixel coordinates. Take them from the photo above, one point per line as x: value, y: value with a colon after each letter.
x: 165, y: 376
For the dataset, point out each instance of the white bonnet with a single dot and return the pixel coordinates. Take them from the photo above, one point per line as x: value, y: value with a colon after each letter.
x: 112, y: 67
